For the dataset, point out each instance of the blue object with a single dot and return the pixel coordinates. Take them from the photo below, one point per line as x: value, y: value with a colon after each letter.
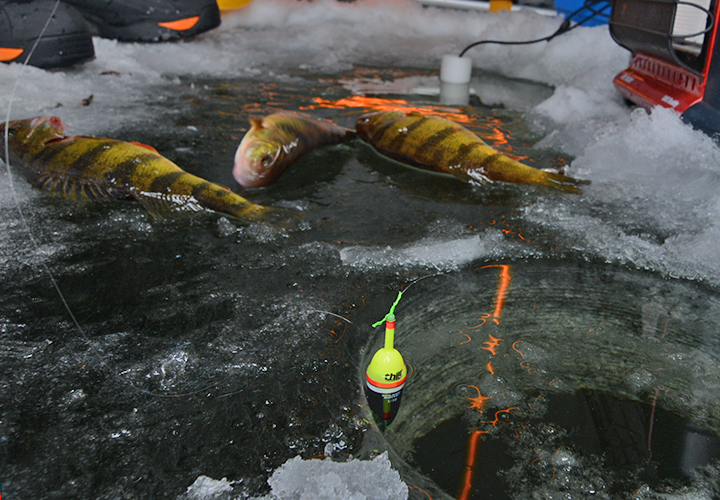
x: 585, y: 12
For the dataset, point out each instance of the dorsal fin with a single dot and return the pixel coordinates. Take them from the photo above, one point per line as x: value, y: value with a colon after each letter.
x: 256, y: 123
x: 144, y: 146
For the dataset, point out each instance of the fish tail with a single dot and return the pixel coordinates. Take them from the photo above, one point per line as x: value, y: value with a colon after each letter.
x: 563, y: 182
x: 502, y: 168
x: 220, y: 199
x: 348, y: 134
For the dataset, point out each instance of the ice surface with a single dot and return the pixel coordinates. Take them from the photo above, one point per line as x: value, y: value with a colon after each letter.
x: 653, y: 202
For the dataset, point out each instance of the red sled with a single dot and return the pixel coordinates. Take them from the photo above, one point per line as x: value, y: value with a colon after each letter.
x: 675, y: 59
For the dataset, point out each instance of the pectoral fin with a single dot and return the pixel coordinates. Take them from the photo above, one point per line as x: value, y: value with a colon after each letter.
x: 73, y: 190
x: 161, y: 205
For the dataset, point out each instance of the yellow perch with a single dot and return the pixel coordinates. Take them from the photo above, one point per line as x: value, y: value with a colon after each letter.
x: 440, y: 145
x: 275, y: 142
x: 82, y: 167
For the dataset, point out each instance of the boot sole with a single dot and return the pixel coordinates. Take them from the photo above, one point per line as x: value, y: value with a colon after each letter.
x: 54, y: 51
x: 154, y: 31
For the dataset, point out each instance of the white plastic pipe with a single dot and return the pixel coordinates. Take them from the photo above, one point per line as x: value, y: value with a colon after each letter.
x: 455, y: 93
x: 455, y: 69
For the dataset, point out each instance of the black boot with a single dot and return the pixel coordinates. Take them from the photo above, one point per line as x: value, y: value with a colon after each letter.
x: 149, y: 20
x: 66, y: 41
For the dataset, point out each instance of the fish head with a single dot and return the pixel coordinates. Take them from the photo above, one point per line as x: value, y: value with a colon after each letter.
x: 369, y: 123
x: 29, y: 135
x: 258, y: 162
x: 40, y: 130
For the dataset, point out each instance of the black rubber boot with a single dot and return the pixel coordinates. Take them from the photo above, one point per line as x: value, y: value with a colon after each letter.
x: 149, y: 20
x: 66, y: 41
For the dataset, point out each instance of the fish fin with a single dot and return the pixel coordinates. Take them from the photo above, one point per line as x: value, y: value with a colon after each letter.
x: 405, y: 159
x: 144, y: 146
x: 415, y: 113
x: 162, y: 205
x: 565, y: 183
x: 256, y: 123
x: 350, y: 134
x: 72, y: 190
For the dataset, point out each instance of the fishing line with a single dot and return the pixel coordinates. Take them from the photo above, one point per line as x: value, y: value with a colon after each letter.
x: 331, y: 314
x: 36, y: 246
x: 25, y: 224
x: 565, y: 27
x: 404, y: 288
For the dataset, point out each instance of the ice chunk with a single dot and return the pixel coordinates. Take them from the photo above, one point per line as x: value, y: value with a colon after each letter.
x: 299, y: 479
x: 207, y: 488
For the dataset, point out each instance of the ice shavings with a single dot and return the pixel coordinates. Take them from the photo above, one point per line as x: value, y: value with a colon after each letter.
x: 207, y: 488
x: 299, y: 479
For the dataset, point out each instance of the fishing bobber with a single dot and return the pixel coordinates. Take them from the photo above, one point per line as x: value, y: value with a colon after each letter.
x: 385, y: 376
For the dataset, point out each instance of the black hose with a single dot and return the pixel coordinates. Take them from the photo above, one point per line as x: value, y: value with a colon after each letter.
x: 564, y: 27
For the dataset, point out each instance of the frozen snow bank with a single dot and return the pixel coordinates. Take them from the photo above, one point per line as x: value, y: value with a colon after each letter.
x: 654, y: 199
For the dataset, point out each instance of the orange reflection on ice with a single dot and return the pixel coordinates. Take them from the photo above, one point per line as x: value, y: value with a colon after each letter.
x: 515, y: 347
x: 497, y: 136
x: 381, y: 104
x: 479, y: 401
x: 465, y: 493
x: 492, y: 343
x: 482, y: 319
x: 501, y: 291
x: 497, y: 418
x: 490, y: 129
x: 421, y: 490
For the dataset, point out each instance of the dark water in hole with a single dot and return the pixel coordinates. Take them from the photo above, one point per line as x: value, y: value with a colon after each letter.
x: 592, y: 426
x: 206, y: 347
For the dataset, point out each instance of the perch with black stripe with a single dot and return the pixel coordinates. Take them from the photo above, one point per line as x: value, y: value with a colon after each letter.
x: 80, y: 167
x: 440, y: 145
